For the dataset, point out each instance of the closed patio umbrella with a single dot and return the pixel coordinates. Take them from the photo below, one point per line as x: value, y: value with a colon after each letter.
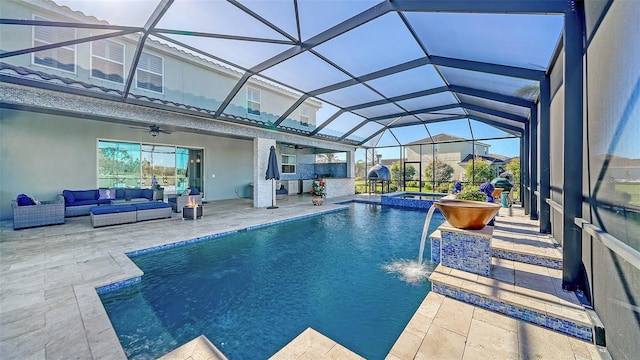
x: 273, y: 174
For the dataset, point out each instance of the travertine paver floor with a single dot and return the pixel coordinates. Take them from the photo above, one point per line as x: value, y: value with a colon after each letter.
x: 199, y: 348
x: 311, y: 344
x: 517, y: 233
x: 444, y: 328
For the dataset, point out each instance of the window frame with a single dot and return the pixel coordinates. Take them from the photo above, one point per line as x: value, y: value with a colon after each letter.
x: 289, y: 164
x: 151, y: 72
x: 250, y: 99
x: 73, y: 48
x: 305, y: 112
x: 124, y: 57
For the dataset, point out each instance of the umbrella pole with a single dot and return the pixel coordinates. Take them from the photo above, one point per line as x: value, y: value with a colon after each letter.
x: 273, y: 195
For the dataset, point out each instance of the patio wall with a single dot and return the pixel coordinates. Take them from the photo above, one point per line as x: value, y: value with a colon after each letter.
x: 44, y: 154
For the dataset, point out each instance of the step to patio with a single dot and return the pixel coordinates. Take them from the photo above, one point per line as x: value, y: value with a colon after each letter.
x: 527, y: 292
x: 519, y: 239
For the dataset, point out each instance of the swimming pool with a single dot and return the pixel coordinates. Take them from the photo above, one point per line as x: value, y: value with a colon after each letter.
x: 252, y: 292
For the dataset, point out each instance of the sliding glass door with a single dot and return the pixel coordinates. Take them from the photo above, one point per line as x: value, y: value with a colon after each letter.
x: 127, y: 165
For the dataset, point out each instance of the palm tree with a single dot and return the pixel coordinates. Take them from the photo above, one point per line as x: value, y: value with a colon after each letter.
x: 329, y: 157
x: 531, y: 91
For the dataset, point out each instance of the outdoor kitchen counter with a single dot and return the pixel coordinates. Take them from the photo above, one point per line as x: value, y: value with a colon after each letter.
x: 337, y: 187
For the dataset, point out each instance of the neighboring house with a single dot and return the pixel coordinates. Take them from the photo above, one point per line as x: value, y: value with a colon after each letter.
x: 452, y: 150
x: 497, y: 162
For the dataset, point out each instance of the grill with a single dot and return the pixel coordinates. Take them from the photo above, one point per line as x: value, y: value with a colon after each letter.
x: 378, y: 174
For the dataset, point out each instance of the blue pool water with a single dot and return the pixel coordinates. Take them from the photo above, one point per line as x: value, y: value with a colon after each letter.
x: 254, y: 291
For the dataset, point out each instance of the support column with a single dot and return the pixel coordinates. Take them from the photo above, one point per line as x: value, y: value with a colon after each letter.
x: 533, y: 163
x: 524, y: 172
x: 573, y: 135
x: 262, y: 189
x: 545, y: 156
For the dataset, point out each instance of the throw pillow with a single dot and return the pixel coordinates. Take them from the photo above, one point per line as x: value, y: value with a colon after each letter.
x: 33, y: 198
x: 186, y: 192
x: 68, y: 196
x: 147, y: 193
x: 107, y: 194
x: 24, y: 200
x: 194, y: 191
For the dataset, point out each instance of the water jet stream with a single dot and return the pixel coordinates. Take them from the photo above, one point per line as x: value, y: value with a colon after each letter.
x: 425, y: 230
x: 413, y: 271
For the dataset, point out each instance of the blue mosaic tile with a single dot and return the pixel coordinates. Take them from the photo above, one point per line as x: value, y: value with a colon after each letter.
x: 118, y: 285
x: 398, y: 199
x: 369, y: 202
x: 561, y: 325
x: 153, y: 249
x: 467, y: 252
x: 528, y: 259
x: 435, y: 250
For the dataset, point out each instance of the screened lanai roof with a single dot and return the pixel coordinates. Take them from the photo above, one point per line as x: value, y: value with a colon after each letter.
x: 382, y: 72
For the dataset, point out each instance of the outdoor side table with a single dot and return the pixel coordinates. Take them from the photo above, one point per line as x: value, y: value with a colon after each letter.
x: 191, y: 212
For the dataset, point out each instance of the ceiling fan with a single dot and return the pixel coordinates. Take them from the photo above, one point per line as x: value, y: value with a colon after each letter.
x: 155, y: 130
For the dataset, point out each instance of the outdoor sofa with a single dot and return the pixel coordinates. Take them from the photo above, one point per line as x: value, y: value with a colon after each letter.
x: 80, y: 202
x: 27, y: 213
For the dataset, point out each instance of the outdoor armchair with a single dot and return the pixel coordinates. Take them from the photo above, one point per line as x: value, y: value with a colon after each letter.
x: 45, y: 213
x: 180, y: 201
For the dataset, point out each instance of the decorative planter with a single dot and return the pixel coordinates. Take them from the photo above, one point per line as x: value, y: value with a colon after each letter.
x: 467, y: 214
x: 317, y: 200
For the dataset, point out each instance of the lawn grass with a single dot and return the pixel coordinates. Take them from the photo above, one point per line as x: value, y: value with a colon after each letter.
x: 632, y: 189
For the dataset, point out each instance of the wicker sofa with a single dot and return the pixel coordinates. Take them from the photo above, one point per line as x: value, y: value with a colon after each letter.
x: 79, y: 202
x: 45, y: 213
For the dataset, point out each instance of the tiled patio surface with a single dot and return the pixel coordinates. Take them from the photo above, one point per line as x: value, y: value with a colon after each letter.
x: 50, y: 310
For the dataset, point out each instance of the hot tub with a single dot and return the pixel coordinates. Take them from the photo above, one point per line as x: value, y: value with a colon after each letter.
x: 412, y: 200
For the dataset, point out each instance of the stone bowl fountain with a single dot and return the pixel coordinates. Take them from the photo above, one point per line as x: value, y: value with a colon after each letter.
x: 467, y: 214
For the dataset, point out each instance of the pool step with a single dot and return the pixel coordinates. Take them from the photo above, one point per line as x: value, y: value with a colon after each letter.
x: 523, y: 291
x: 522, y: 241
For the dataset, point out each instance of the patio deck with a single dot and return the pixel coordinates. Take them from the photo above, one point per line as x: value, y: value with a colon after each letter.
x: 49, y: 308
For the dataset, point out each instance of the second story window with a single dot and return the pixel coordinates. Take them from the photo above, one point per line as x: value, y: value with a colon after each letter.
x: 253, y: 101
x: 305, y: 115
x: 62, y: 58
x: 150, y: 72
x: 107, y: 60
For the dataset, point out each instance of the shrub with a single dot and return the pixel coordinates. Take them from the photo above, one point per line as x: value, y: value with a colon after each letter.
x: 443, y: 188
x: 472, y: 194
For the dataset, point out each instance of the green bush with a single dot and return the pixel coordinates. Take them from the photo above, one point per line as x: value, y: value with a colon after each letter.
x: 472, y: 194
x: 443, y: 188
